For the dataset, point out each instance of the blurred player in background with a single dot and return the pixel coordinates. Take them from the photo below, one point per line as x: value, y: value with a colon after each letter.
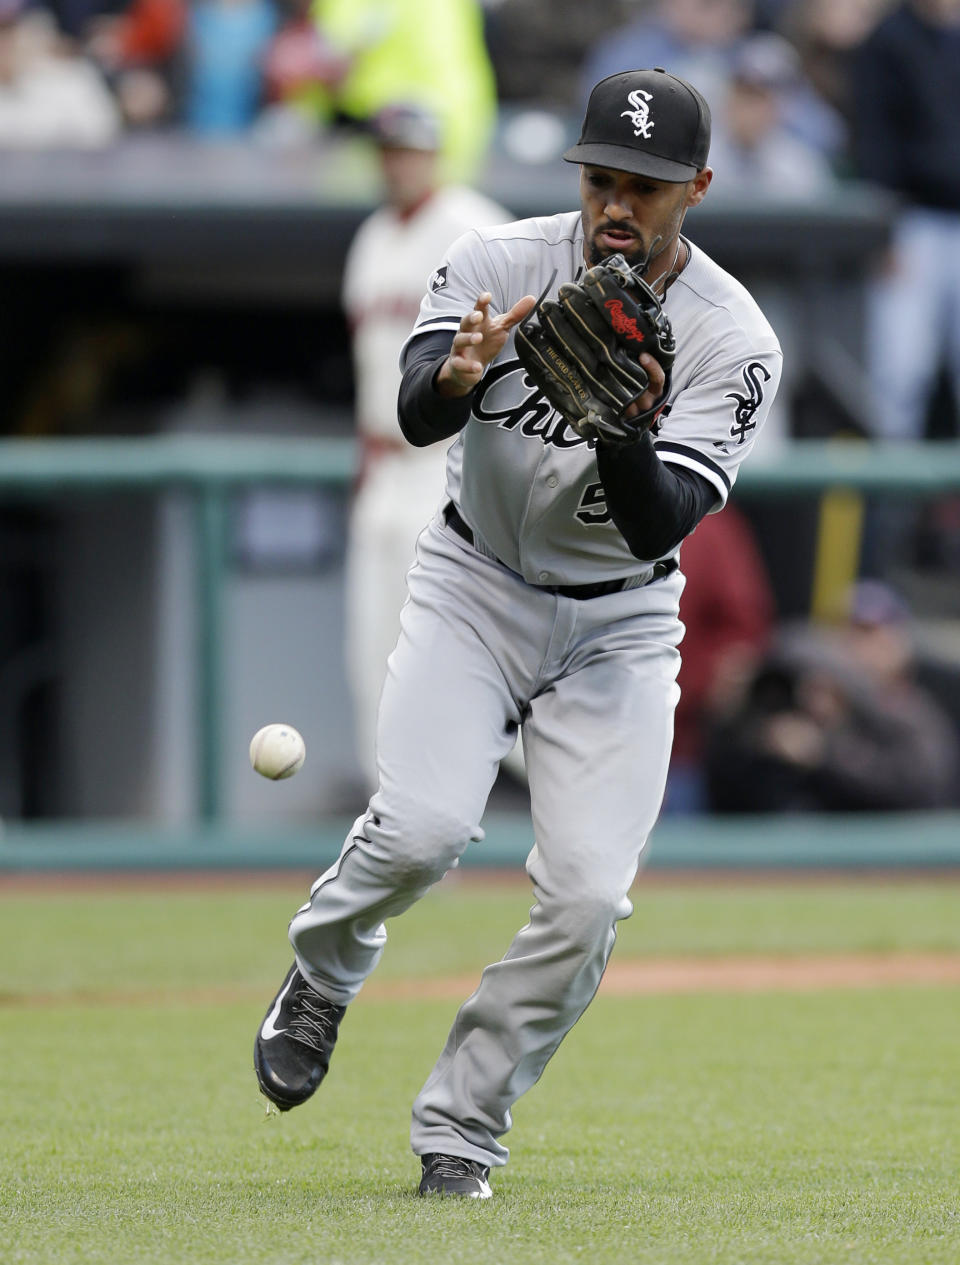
x: 388, y: 267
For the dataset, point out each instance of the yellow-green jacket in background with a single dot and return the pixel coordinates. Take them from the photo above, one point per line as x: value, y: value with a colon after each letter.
x: 425, y: 52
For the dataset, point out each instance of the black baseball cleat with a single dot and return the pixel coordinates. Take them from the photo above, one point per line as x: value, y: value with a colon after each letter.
x: 454, y: 1175
x: 293, y: 1047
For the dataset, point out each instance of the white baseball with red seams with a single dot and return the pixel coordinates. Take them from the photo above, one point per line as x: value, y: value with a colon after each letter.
x: 277, y: 752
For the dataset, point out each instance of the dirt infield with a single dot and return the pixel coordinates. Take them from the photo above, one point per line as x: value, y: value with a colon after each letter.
x: 65, y: 882
x: 630, y: 978
x: 626, y: 977
x: 634, y: 977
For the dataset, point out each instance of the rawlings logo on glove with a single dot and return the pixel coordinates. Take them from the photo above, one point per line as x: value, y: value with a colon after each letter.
x: 583, y: 351
x: 622, y: 323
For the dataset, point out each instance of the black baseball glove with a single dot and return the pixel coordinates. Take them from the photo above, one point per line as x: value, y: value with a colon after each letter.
x: 583, y: 351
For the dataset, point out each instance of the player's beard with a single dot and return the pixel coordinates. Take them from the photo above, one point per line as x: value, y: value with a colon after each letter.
x: 639, y: 251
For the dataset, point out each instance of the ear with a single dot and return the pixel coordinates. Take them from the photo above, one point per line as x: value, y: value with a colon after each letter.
x: 698, y: 186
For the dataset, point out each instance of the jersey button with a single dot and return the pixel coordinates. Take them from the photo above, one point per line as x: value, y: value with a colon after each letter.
x: 552, y: 481
x: 543, y: 576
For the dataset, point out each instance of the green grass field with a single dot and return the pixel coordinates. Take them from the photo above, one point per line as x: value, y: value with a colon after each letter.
x: 801, y: 1127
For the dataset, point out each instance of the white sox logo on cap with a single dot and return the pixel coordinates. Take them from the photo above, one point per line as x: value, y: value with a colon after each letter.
x: 673, y: 147
x: 639, y: 115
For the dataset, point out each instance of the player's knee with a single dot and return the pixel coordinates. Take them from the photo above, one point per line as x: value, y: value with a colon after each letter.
x: 423, y: 842
x: 586, y: 915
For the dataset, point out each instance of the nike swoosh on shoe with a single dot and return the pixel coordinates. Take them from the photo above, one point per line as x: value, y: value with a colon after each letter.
x: 268, y: 1031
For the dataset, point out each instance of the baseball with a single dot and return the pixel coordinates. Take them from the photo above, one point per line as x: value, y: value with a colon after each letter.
x: 277, y: 751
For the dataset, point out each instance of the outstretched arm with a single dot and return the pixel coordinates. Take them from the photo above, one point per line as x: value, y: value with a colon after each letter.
x: 481, y: 337
x: 434, y: 400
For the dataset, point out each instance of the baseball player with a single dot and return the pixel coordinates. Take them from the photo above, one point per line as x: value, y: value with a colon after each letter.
x: 387, y: 268
x: 596, y: 425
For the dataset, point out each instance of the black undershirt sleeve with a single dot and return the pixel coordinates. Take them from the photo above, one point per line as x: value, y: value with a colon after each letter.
x: 424, y: 416
x: 653, y: 505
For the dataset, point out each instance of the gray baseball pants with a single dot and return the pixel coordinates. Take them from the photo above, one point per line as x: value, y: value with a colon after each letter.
x: 594, y: 684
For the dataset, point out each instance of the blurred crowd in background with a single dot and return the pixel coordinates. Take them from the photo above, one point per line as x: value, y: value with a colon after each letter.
x: 807, y: 96
x: 795, y: 85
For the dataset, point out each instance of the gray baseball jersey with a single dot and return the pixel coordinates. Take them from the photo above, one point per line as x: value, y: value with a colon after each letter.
x: 525, y: 482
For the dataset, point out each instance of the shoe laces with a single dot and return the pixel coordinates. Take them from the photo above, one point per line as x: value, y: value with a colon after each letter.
x: 314, y: 1020
x: 456, y: 1166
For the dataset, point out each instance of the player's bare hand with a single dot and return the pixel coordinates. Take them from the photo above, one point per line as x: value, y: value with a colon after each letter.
x: 479, y: 340
x: 654, y: 390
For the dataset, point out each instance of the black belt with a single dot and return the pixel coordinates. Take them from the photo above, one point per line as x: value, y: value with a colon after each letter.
x: 453, y: 519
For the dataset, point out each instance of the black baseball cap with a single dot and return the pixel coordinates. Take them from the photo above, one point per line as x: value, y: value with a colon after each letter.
x: 647, y: 122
